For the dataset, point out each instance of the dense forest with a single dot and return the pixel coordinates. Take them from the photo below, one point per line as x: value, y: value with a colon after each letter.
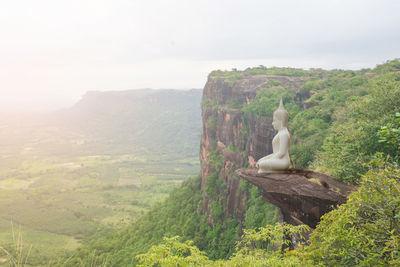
x: 343, y: 123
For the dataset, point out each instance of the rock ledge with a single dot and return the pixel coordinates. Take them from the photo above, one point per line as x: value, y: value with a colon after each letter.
x: 302, y: 196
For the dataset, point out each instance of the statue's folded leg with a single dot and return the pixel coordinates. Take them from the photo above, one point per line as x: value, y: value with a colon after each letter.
x: 265, y: 158
x: 272, y: 165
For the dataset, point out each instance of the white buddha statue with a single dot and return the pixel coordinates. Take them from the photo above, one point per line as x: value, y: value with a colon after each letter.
x: 279, y: 160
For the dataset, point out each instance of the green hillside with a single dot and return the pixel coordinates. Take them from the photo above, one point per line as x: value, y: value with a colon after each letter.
x: 157, y: 122
x: 344, y: 121
x: 67, y: 175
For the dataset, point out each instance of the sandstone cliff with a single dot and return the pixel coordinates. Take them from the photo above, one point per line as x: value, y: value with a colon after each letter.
x: 232, y: 139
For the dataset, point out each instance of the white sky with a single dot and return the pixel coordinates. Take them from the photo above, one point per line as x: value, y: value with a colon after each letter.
x: 52, y: 52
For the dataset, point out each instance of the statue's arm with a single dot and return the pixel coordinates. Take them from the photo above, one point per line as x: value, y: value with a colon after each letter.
x: 283, y: 146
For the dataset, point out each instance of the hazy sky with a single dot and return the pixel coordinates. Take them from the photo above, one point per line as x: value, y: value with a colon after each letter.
x: 52, y: 52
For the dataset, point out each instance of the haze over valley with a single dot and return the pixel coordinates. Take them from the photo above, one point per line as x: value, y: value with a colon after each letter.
x: 99, y: 164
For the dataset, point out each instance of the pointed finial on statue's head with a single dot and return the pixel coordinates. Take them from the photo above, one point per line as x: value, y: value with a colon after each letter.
x: 281, y: 104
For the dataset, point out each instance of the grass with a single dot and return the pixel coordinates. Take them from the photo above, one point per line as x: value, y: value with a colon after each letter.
x: 20, y: 247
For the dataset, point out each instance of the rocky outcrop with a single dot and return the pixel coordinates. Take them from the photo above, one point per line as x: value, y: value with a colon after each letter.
x: 302, y: 196
x: 232, y: 139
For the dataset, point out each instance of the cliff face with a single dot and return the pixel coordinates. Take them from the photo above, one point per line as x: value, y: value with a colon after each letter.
x: 231, y: 139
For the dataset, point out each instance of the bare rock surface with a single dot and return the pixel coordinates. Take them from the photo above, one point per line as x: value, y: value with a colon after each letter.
x: 303, y: 196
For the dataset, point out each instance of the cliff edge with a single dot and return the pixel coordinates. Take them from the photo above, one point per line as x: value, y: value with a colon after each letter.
x: 302, y: 196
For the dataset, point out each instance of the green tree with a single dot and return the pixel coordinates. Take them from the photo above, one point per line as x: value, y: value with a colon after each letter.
x: 353, y: 140
x: 173, y: 253
x: 256, y: 248
x: 389, y: 135
x: 365, y: 231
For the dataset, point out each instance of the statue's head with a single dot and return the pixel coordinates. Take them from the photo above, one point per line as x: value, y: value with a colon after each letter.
x: 281, y: 117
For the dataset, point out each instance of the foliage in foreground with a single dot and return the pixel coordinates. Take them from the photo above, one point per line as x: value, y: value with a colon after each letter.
x: 365, y: 231
x: 18, y: 255
x: 256, y: 248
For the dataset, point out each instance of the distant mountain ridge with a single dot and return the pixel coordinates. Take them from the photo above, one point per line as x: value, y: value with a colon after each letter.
x: 163, y: 121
